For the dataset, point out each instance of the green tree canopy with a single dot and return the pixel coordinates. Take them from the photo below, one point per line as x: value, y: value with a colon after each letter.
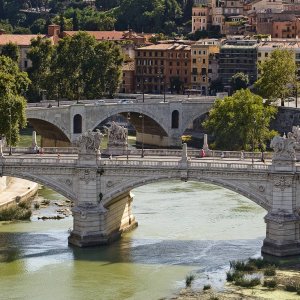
x: 240, y: 120
x: 12, y: 51
x: 76, y: 67
x: 277, y: 75
x: 13, y: 84
x: 239, y: 81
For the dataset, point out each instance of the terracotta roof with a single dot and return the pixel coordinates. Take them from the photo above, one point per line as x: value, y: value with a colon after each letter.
x: 19, y: 39
x: 174, y: 46
x: 102, y: 35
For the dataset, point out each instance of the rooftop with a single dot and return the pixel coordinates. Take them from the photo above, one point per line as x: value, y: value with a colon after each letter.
x: 19, y: 39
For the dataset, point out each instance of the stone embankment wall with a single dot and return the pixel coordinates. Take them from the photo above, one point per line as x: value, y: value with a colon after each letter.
x: 15, y: 190
x: 286, y: 118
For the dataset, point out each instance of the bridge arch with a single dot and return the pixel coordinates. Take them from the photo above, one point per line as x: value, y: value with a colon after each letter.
x: 47, y: 181
x: 243, y: 190
x: 49, y: 131
x: 196, y: 116
x: 152, y: 124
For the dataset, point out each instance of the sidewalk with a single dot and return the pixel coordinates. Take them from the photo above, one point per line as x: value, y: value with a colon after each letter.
x: 22, y: 188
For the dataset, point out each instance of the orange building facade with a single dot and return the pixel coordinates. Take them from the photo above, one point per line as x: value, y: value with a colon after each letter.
x: 163, y: 68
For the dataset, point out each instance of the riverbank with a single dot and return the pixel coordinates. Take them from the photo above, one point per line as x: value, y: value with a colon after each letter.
x: 283, y: 278
x: 16, y: 191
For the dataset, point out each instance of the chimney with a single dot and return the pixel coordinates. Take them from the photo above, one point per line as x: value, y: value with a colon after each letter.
x: 54, y: 30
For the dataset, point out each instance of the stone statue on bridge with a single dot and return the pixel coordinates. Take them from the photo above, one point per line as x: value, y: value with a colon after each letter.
x: 284, y: 148
x: 89, y: 142
x: 117, y: 135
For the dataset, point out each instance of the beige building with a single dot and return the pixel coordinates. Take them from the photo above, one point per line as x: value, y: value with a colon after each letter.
x: 204, y: 64
x: 201, y: 18
x: 265, y: 49
x: 24, y: 41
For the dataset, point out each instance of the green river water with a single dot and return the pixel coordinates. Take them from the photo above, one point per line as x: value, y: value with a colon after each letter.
x: 184, y: 227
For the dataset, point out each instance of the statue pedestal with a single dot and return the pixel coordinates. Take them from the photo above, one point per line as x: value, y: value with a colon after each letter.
x: 115, y: 149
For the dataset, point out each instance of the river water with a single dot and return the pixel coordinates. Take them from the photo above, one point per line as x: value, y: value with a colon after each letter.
x: 184, y: 228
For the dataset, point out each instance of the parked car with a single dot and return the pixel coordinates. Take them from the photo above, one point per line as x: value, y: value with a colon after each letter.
x: 100, y: 102
x: 125, y: 101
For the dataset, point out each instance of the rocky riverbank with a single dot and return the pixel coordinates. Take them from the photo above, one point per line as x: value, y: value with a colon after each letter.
x: 273, y: 283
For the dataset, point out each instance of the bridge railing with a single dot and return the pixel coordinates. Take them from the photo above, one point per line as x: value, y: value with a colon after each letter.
x: 178, y: 163
x: 45, y: 150
x: 37, y: 160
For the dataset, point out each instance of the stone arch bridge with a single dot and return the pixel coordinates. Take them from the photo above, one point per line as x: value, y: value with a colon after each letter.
x: 157, y: 123
x: 100, y: 190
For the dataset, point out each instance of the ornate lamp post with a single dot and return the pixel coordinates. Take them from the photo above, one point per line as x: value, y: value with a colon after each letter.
x: 10, y: 149
x: 142, y: 118
x: 128, y: 118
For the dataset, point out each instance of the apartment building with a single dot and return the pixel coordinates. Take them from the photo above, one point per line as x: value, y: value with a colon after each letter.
x: 162, y: 67
x: 237, y: 55
x: 233, y: 7
x: 201, y: 18
x: 204, y: 64
x: 265, y: 49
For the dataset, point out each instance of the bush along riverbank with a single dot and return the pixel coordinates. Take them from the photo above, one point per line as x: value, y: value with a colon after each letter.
x: 251, y: 279
x: 19, y: 211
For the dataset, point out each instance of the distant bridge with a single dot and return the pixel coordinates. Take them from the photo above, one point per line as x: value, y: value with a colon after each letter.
x: 156, y: 122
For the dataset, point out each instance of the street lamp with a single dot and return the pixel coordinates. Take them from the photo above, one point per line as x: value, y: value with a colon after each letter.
x: 128, y: 118
x: 10, y: 149
x: 142, y: 117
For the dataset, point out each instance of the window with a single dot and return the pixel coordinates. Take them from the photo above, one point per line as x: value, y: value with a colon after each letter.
x: 175, y: 119
x: 194, y: 60
x: 170, y: 63
x: 77, y: 124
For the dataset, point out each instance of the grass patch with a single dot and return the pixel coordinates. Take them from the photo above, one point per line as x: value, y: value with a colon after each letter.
x: 292, y: 287
x: 45, y: 202
x: 247, y: 282
x: 233, y: 276
x: 270, y: 271
x: 24, y: 205
x: 15, y: 212
x: 271, y: 284
x: 189, y: 279
x: 206, y: 287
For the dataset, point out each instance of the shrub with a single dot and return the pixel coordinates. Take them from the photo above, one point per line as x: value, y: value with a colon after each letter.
x: 270, y: 271
x: 15, y: 213
x: 24, y: 204
x: 206, y: 287
x: 291, y: 287
x: 214, y: 298
x: 36, y: 205
x: 189, y: 279
x: 247, y: 282
x: 298, y: 291
x: 233, y: 276
x: 243, y: 266
x: 270, y: 283
x: 46, y: 202
x: 18, y: 198
x: 259, y: 262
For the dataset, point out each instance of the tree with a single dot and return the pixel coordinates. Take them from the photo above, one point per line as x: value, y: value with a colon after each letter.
x: 240, y: 121
x: 239, y: 81
x: 40, y: 54
x: 13, y: 84
x: 12, y: 51
x: 77, y: 67
x: 277, y: 74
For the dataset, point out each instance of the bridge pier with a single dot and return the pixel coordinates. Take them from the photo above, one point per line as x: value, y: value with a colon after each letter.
x: 95, y: 225
x: 282, y: 234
